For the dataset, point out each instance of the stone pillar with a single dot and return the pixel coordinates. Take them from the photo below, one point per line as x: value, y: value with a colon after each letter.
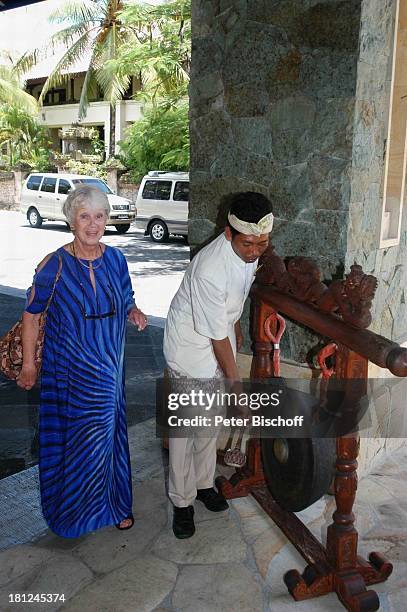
x: 19, y: 177
x: 112, y: 179
x: 291, y: 99
x: 107, y: 132
x: 380, y: 49
x: 120, y: 123
x: 7, y: 190
x: 65, y: 150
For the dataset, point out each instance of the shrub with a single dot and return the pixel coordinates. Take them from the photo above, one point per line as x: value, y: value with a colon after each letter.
x: 91, y: 169
x: 159, y: 141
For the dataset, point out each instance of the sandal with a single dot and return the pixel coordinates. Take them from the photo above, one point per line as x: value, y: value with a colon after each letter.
x: 131, y: 517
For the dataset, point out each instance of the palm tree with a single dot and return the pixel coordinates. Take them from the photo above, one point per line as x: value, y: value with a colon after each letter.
x: 11, y: 91
x: 161, y: 54
x: 161, y: 51
x: 93, y: 30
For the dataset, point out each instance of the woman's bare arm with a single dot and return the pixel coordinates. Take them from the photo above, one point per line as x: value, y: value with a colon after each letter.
x: 30, y: 330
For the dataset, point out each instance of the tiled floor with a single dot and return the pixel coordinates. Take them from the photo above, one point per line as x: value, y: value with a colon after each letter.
x: 235, y: 561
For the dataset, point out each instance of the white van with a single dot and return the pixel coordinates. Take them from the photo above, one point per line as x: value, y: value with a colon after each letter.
x: 162, y: 204
x: 43, y: 195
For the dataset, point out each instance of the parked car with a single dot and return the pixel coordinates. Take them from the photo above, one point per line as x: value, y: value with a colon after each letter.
x: 162, y: 204
x: 43, y: 195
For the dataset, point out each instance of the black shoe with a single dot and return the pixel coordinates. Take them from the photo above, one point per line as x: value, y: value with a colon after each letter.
x: 183, y: 522
x: 212, y: 500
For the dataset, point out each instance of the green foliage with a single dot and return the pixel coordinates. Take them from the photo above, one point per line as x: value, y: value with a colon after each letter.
x: 11, y: 91
x: 161, y: 57
x: 98, y: 147
x: 39, y: 160
x: 159, y: 141
x: 86, y: 167
x: 114, y: 163
x: 91, y: 30
x: 26, y: 141
x: 161, y: 52
x: 121, y: 40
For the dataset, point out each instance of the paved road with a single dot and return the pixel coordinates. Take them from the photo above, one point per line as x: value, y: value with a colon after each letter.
x: 156, y: 269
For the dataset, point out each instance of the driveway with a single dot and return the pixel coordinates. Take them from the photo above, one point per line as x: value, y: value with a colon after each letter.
x: 156, y: 269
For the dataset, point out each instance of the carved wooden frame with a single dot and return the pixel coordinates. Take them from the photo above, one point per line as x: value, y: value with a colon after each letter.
x: 340, y: 312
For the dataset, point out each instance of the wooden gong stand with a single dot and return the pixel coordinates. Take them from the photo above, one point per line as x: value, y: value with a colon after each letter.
x: 340, y: 313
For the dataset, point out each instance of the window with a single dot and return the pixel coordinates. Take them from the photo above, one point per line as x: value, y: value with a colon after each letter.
x: 60, y: 96
x: 34, y: 182
x: 157, y: 190
x: 48, y: 184
x: 163, y: 190
x: 181, y: 191
x: 149, y: 190
x: 64, y: 187
x: 396, y: 149
x: 55, y: 96
x: 95, y: 183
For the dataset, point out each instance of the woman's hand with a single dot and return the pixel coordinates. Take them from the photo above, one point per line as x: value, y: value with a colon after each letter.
x: 138, y: 318
x: 27, y: 378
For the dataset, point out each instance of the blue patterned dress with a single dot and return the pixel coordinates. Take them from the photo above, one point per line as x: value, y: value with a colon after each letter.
x: 84, y: 459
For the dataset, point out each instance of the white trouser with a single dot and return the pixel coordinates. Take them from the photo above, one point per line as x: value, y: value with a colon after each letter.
x: 192, y: 460
x: 192, y: 464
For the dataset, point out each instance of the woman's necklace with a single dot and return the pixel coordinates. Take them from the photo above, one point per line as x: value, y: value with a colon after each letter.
x: 91, y: 267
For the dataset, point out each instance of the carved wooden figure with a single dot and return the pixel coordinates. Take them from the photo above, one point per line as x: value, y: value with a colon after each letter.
x: 340, y: 312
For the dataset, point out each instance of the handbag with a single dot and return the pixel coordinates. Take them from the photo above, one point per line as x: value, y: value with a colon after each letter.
x: 11, y: 345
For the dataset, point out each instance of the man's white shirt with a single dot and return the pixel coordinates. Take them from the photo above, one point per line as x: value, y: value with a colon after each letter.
x: 206, y: 306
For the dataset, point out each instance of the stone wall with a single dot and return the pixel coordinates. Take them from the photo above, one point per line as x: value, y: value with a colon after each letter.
x: 272, y: 95
x: 128, y: 190
x: 118, y: 183
x: 367, y: 173
x: 7, y: 190
x: 10, y: 189
x: 282, y: 94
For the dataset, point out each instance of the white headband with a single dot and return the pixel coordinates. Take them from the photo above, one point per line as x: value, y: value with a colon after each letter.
x: 264, y: 226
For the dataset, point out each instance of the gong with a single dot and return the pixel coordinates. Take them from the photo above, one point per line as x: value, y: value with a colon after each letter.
x: 298, y: 471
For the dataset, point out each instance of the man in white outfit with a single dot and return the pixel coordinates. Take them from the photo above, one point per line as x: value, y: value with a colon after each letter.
x: 201, y: 338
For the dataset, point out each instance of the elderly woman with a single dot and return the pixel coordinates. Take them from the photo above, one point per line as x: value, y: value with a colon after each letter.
x: 84, y: 455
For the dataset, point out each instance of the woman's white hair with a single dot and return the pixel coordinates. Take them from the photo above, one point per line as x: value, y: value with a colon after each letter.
x: 84, y: 195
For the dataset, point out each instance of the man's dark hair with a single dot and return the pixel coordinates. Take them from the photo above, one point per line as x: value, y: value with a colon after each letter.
x: 249, y: 206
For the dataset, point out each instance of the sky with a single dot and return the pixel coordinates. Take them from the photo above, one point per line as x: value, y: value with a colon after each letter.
x: 27, y: 27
